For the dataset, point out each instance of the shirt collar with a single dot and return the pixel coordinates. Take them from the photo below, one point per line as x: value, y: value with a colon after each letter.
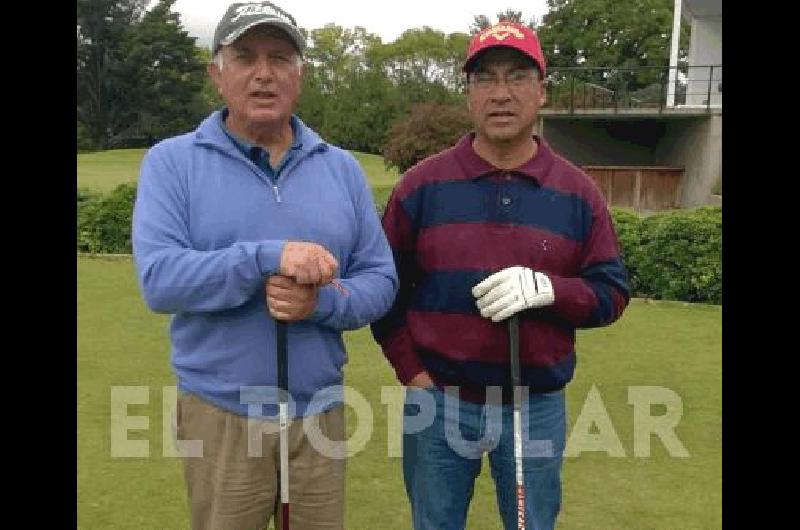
x: 253, y: 151
x: 536, y: 168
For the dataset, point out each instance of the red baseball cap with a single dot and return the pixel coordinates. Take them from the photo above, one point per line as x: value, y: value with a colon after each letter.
x: 510, y: 35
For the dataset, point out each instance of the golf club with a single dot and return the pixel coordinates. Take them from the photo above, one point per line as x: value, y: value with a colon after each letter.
x: 513, y: 335
x: 283, y: 413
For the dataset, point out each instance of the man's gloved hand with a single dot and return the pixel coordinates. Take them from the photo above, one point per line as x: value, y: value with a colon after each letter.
x: 511, y: 290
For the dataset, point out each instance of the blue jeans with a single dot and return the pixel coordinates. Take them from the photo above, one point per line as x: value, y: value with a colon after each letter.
x: 444, y: 439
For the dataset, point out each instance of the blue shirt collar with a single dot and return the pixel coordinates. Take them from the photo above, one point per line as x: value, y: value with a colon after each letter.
x: 252, y: 151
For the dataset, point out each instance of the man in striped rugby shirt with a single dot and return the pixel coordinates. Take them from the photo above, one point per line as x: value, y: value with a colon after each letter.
x: 497, y: 225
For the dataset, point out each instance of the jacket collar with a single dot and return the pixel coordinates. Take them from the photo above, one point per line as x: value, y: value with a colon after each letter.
x: 210, y: 132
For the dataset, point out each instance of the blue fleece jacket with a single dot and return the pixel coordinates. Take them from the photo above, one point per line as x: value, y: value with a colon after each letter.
x: 209, y: 226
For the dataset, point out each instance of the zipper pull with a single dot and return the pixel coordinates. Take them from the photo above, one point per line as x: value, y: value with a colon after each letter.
x: 277, y: 192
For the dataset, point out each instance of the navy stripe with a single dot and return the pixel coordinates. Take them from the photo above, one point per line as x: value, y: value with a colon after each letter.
x: 610, y: 272
x: 604, y: 312
x: 396, y: 316
x: 517, y: 201
x: 448, y: 292
x: 478, y: 375
x: 603, y: 277
x: 451, y: 291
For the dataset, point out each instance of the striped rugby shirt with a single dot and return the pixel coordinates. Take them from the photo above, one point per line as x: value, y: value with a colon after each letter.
x: 453, y: 220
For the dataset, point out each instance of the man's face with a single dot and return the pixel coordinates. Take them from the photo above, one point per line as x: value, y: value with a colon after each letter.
x: 260, y: 77
x: 505, y: 93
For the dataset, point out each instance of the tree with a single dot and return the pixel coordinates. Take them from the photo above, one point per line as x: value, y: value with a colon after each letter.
x: 422, y: 65
x: 138, y: 72
x: 610, y: 34
x: 101, y: 27
x: 425, y: 58
x: 165, y: 75
x: 482, y: 22
x: 430, y: 128
x: 355, y: 86
x: 209, y: 95
x: 345, y: 98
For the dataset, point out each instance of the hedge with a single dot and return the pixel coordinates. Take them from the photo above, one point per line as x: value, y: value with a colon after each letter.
x: 104, y: 221
x: 674, y: 255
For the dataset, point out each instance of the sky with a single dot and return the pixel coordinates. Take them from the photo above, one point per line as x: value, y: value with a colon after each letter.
x: 387, y: 19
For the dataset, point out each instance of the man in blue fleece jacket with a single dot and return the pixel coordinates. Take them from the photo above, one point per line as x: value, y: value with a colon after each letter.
x: 249, y: 219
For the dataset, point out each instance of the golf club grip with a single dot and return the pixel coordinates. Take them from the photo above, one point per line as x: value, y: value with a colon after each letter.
x: 283, y: 363
x: 513, y: 337
x: 285, y: 516
x: 520, y: 507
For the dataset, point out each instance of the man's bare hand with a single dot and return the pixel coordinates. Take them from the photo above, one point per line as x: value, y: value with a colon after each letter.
x: 308, y: 263
x: 288, y: 300
x: 421, y: 380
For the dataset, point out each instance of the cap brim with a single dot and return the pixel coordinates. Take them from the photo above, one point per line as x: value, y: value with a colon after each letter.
x: 471, y: 61
x: 290, y: 30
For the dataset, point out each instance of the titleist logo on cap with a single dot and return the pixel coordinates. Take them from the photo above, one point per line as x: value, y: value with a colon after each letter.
x: 259, y: 9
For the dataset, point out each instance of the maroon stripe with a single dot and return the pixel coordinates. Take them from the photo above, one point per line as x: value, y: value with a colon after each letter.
x: 399, y: 349
x: 569, y: 178
x: 575, y: 299
x: 485, y: 246
x: 397, y: 226
x: 602, y: 244
x: 474, y: 338
x: 439, y: 167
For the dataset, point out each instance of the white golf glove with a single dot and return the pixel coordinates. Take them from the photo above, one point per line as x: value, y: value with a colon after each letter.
x: 511, y: 290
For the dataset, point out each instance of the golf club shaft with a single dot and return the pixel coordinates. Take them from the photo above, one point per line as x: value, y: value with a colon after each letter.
x: 283, y: 418
x: 513, y: 336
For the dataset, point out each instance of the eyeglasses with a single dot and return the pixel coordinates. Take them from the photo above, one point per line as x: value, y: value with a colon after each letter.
x: 516, y: 79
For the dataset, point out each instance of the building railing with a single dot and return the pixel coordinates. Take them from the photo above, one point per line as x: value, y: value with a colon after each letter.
x: 575, y: 89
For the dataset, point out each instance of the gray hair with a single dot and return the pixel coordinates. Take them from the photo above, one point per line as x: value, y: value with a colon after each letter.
x: 217, y: 59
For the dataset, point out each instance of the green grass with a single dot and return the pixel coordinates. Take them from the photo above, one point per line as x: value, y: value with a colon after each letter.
x: 105, y: 170
x: 662, y: 344
x: 381, y: 179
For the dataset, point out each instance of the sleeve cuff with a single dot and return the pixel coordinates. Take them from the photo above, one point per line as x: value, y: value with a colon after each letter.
x: 409, y: 369
x: 325, y: 304
x: 269, y: 256
x: 405, y: 362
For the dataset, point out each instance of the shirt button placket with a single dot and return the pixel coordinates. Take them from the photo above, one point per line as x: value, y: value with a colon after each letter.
x: 506, y: 201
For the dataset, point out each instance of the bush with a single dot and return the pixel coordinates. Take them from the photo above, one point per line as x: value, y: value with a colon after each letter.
x: 431, y: 127
x: 675, y: 255
x: 104, y: 221
x: 627, y: 225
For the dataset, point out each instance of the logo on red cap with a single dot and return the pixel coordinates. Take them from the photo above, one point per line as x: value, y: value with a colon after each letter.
x: 500, y: 32
x: 508, y: 34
